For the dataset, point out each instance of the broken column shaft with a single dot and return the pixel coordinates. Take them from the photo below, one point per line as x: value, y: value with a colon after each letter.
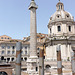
x: 18, y: 58
x: 41, y: 62
x: 59, y: 61
x: 73, y: 61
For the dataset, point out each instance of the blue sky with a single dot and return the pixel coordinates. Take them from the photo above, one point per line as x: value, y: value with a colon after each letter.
x: 15, y: 16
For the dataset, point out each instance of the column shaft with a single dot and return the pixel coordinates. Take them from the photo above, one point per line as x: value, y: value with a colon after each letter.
x: 41, y: 62
x: 73, y: 62
x: 18, y: 58
x: 33, y: 33
x: 59, y: 62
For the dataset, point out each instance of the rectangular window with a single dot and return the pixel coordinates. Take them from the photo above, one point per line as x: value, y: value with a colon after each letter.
x: 59, y: 7
x: 69, y: 28
x: 8, y: 47
x: 25, y: 47
x: 36, y: 68
x: 26, y: 52
x: 2, y: 52
x: 8, y: 52
x: 1, y: 37
x: 3, y: 47
x: 13, y: 52
x: 59, y: 28
x: 50, y: 30
x: 21, y: 52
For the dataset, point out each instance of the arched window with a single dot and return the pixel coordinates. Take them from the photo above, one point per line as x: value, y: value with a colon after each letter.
x: 25, y: 59
x: 48, y: 66
x: 69, y: 28
x: 59, y: 28
x: 8, y: 59
x: 2, y: 57
x: 59, y: 7
x: 12, y: 59
x: 50, y: 30
x: 3, y: 73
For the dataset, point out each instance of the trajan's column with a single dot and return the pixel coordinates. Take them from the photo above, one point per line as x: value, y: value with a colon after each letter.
x: 32, y: 61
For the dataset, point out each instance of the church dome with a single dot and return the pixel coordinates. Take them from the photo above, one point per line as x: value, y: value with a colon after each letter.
x: 61, y: 14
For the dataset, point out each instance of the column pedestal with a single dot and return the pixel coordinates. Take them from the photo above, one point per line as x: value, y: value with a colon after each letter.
x: 32, y: 67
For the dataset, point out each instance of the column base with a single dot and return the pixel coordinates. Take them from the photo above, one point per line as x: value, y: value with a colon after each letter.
x: 32, y: 65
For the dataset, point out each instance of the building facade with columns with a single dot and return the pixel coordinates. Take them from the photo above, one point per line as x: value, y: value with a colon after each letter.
x: 61, y: 30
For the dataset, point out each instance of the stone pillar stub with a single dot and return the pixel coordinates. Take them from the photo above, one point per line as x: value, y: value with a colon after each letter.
x: 59, y: 61
x: 41, y: 62
x: 18, y: 46
x: 18, y: 58
x: 73, y: 60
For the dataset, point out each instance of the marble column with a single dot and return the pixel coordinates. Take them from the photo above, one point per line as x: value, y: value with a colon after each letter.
x: 41, y: 62
x: 18, y: 58
x: 32, y: 60
x: 33, y: 30
x: 59, y: 60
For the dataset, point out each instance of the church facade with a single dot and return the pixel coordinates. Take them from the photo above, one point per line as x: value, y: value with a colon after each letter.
x: 61, y: 30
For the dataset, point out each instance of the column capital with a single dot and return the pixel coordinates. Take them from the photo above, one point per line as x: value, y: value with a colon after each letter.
x: 32, y: 5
